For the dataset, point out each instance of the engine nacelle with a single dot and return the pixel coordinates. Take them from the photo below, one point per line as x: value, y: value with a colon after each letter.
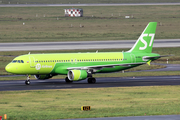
x: 42, y: 77
x: 75, y: 75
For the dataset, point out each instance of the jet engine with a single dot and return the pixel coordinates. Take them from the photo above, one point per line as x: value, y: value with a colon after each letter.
x: 75, y: 75
x: 42, y: 77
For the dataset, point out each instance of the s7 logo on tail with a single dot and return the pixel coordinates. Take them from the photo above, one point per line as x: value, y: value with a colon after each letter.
x: 145, y: 42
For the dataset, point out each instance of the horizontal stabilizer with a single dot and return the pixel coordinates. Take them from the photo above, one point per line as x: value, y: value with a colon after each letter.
x: 157, y: 56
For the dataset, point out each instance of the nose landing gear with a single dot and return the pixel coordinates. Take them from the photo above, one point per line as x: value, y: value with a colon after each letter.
x: 27, y: 82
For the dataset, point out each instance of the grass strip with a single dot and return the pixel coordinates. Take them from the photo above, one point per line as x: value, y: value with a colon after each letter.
x: 38, y: 24
x: 105, y: 102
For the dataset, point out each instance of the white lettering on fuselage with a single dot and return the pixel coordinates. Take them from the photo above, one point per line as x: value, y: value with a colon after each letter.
x: 38, y: 66
x: 46, y: 66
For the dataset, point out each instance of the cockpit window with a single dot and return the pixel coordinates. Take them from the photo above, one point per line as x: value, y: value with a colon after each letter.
x: 14, y: 61
x: 17, y: 61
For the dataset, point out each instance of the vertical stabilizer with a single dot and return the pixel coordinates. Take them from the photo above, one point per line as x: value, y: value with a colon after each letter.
x: 145, y: 41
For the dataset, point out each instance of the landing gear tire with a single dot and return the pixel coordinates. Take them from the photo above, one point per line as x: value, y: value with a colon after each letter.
x: 27, y: 82
x: 92, y: 80
x: 67, y: 80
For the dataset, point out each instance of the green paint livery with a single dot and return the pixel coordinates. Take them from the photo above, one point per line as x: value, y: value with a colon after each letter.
x: 79, y: 66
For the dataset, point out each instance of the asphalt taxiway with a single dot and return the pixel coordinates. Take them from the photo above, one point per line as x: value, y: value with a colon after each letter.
x: 157, y: 117
x: 101, y: 82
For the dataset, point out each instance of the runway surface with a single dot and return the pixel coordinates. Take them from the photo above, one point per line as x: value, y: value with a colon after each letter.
x: 101, y: 82
x: 30, y: 46
x: 157, y: 117
x: 113, y: 4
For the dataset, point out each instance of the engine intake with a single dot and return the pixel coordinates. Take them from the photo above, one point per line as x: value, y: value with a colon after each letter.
x: 75, y: 75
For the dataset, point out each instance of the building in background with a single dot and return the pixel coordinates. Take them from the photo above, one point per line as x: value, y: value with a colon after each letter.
x: 73, y: 12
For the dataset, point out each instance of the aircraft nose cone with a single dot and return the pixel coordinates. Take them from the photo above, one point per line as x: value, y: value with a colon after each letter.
x: 9, y: 69
x: 12, y: 68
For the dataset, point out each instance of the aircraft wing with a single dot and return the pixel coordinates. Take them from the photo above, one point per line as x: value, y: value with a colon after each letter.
x: 100, y: 67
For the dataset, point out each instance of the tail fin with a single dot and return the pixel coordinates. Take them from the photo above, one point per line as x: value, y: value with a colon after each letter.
x: 145, y: 41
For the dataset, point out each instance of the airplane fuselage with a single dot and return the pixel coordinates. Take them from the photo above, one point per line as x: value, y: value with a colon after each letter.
x: 37, y: 64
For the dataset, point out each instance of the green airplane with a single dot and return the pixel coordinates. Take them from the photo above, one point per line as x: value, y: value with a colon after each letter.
x: 79, y: 66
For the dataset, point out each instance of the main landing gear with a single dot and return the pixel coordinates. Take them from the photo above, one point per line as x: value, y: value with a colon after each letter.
x: 27, y: 82
x: 91, y: 80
